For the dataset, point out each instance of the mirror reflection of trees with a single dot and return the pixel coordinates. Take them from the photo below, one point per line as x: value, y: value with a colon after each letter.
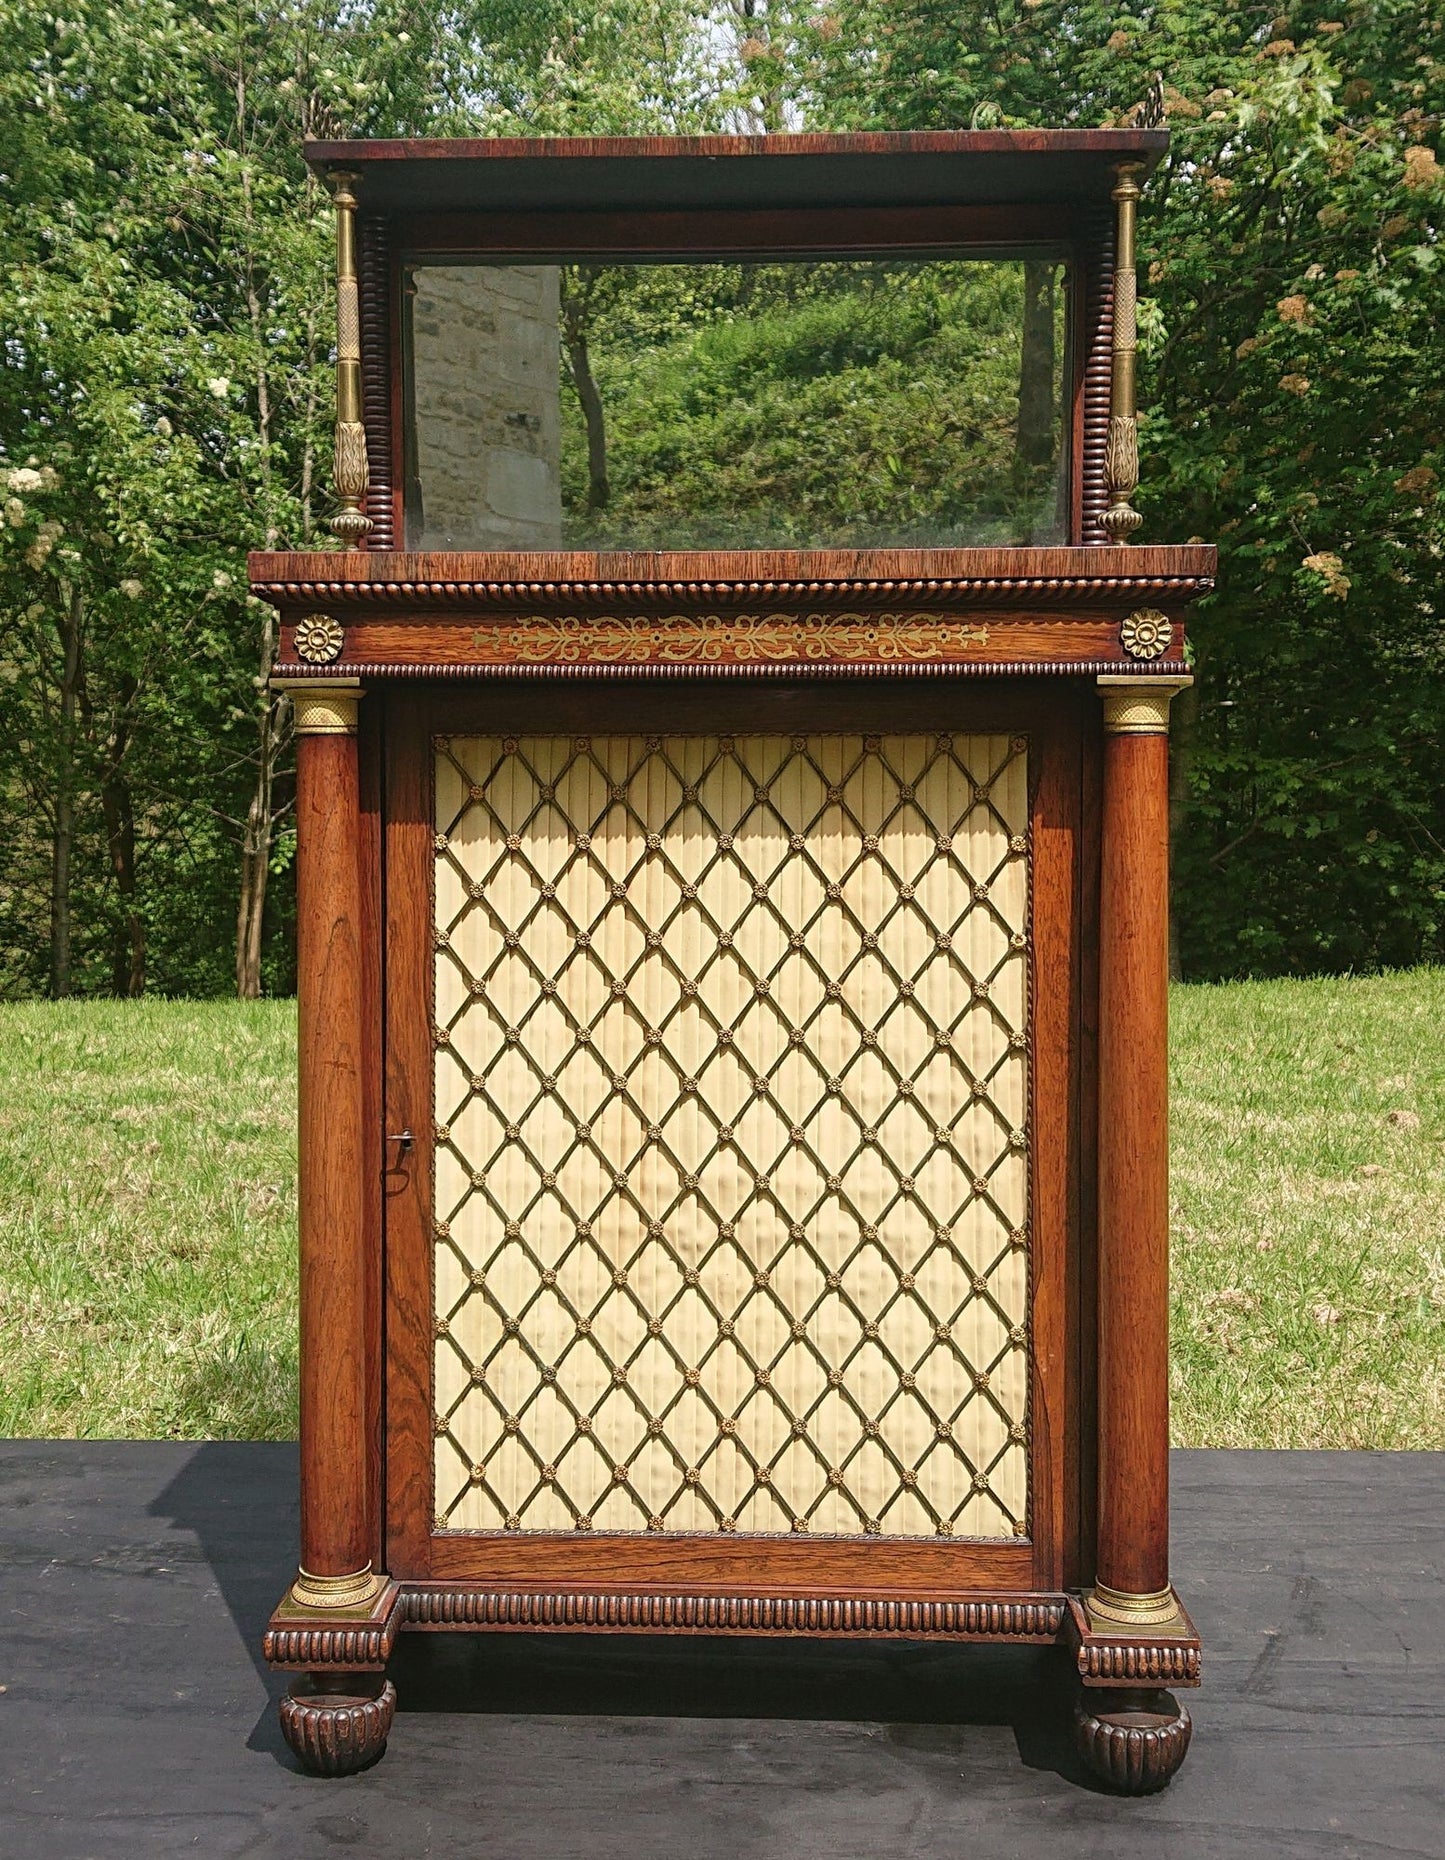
x: 582, y: 286
x: 842, y: 403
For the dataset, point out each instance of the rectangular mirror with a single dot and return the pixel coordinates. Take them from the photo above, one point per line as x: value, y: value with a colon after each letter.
x: 807, y: 404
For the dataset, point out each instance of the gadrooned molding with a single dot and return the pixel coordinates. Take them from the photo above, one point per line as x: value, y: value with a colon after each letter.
x: 1120, y: 1663
x: 1077, y: 590
x: 336, y: 1735
x: 944, y: 668
x: 1132, y: 1742
x: 317, y: 1649
x: 978, y: 1618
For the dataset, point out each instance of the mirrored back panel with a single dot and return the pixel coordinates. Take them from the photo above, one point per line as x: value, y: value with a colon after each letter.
x: 818, y: 403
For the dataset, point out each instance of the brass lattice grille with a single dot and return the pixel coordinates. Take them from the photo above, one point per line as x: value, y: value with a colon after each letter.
x: 732, y: 1060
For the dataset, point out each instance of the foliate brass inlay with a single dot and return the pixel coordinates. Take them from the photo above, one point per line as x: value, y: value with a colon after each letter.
x: 741, y: 639
x: 1135, y: 706
x: 357, y: 1590
x: 319, y: 639
x: 1146, y: 633
x: 732, y: 1134
x: 1119, y: 1608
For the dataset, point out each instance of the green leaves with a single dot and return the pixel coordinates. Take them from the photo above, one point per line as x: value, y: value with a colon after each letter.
x: 806, y: 405
x: 162, y: 236
x: 1295, y: 401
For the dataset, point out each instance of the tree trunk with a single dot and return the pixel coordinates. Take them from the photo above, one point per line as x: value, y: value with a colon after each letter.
x: 258, y: 835
x: 574, y: 336
x: 1036, y: 366
x: 128, y: 952
x: 753, y: 25
x: 69, y: 626
x: 250, y: 916
x: 1183, y: 725
x: 259, y: 831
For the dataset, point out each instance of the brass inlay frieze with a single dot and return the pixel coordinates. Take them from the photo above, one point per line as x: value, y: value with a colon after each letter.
x: 708, y: 639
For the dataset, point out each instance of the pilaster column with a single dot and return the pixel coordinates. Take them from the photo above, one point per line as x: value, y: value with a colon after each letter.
x: 338, y: 1504
x: 1132, y: 1586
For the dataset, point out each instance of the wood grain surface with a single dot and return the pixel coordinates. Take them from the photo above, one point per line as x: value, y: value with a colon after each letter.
x: 1063, y: 575
x: 1133, y: 1255
x: 756, y: 643
x: 763, y: 234
x: 1115, y: 143
x: 338, y: 1509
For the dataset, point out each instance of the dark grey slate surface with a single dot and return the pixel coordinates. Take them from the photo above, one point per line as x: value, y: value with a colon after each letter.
x: 135, y: 1579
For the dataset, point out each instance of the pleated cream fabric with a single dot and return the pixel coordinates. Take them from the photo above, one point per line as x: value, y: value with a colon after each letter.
x: 732, y: 1185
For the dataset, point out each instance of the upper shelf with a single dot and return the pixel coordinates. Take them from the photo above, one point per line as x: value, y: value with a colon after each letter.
x: 1064, y: 575
x: 655, y: 173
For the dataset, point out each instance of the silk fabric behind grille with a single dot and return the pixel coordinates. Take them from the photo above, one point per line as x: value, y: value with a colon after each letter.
x: 731, y: 1167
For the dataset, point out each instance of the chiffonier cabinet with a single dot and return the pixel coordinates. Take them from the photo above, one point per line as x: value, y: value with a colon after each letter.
x: 732, y: 821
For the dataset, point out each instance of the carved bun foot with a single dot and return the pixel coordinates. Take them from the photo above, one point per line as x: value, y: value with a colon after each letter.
x: 337, y: 1733
x: 1133, y: 1741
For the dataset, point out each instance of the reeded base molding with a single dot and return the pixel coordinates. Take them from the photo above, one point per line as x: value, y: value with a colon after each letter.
x: 1132, y: 1734
x: 1109, y: 1654
x: 303, y: 1638
x: 1037, y: 1619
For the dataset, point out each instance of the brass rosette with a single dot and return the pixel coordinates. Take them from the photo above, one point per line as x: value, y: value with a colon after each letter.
x: 1146, y: 633
x: 319, y: 639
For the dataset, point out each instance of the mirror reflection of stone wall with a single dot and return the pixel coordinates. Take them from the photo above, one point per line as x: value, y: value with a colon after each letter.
x: 485, y: 470
x: 801, y: 404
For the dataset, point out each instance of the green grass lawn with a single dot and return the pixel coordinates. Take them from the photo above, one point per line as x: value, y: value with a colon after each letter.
x: 1309, y: 1213
x: 148, y: 1219
x: 148, y: 1210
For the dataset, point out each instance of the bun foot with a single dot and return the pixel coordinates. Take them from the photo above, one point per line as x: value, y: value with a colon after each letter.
x: 336, y: 1732
x: 1133, y: 1741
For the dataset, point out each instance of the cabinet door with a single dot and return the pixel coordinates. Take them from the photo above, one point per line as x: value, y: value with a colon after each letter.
x: 721, y: 1034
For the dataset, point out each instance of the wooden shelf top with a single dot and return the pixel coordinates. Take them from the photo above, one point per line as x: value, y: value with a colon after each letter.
x: 650, y: 173
x: 743, y: 572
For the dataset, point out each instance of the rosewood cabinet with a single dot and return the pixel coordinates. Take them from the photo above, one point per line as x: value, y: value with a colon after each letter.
x: 732, y: 801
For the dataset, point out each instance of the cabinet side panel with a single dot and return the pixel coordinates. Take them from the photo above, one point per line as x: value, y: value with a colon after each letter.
x: 1054, y: 1151
x: 408, y: 1180
x: 370, y: 754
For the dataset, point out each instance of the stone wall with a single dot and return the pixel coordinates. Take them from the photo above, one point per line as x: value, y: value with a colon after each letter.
x: 486, y: 463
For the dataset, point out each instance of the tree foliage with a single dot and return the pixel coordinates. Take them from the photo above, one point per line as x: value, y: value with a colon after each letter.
x: 803, y: 405
x: 164, y: 402
x: 165, y: 394
x: 1294, y: 404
